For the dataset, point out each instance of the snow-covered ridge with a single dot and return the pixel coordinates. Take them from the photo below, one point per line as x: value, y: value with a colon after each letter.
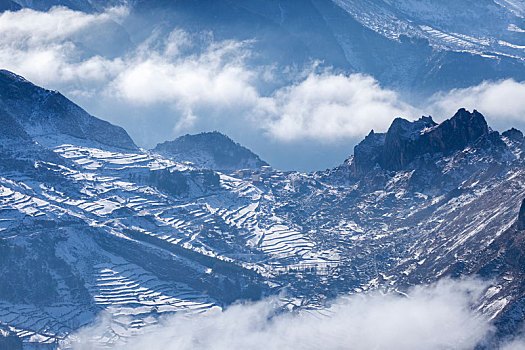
x: 474, y: 26
x: 13, y: 76
x: 49, y: 117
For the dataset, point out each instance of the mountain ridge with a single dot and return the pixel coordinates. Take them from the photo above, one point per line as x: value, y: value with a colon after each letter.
x: 46, y: 114
x: 406, y: 141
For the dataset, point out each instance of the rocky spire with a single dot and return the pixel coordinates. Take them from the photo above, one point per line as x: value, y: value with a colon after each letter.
x: 406, y: 140
x: 457, y: 132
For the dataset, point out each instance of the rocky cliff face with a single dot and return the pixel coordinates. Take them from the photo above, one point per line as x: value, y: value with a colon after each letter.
x: 368, y: 153
x: 402, y: 142
x: 454, y: 134
x: 521, y: 217
x: 406, y: 141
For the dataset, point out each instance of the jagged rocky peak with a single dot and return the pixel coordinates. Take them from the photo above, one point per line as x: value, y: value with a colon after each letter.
x: 405, y: 140
x: 51, y: 119
x: 398, y: 149
x: 402, y: 128
x: 212, y: 150
x: 513, y: 134
x: 367, y: 152
x: 457, y: 132
x: 386, y: 149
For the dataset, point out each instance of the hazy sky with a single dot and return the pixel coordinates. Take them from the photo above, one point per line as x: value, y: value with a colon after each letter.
x: 166, y: 87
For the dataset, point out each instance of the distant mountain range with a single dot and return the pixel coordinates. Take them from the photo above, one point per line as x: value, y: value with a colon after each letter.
x: 90, y: 222
x: 416, y: 46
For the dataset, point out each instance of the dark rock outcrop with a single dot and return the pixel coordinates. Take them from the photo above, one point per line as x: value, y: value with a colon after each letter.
x: 513, y: 134
x: 509, y: 247
x: 405, y: 141
x: 368, y: 152
x: 180, y: 183
x: 521, y: 217
x: 455, y: 133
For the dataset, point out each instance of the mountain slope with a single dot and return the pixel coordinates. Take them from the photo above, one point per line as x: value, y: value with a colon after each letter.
x: 456, y: 25
x: 346, y: 36
x: 72, y: 221
x: 47, y: 115
x: 8, y: 5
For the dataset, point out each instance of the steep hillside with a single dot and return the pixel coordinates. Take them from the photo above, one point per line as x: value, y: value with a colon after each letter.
x: 50, y: 118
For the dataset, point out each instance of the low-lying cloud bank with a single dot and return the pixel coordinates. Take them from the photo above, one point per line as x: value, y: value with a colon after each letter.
x: 502, y: 102
x: 438, y: 316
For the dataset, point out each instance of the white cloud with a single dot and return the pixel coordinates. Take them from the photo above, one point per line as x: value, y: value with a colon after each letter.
x: 43, y: 46
x: 210, y: 84
x: 500, y: 101
x: 36, y: 28
x: 439, y: 316
x: 213, y: 81
x: 47, y: 48
x: 328, y: 107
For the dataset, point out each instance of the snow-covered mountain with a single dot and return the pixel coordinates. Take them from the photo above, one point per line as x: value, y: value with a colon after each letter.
x: 406, y: 45
x: 416, y: 46
x: 211, y: 150
x: 482, y: 27
x: 89, y: 222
